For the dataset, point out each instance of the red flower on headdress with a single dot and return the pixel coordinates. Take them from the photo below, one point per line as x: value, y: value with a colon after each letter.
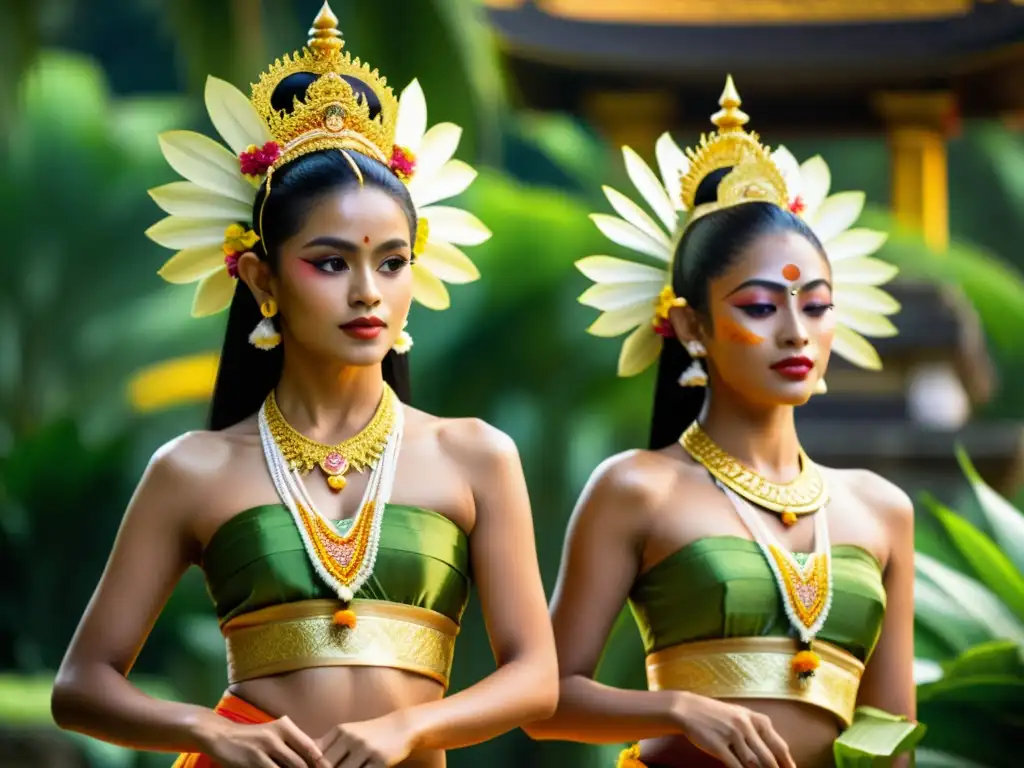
x: 403, y: 163
x: 257, y: 160
x: 798, y: 205
x: 664, y: 328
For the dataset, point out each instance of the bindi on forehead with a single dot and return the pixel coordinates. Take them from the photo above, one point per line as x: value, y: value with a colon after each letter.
x: 366, y: 239
x: 791, y: 272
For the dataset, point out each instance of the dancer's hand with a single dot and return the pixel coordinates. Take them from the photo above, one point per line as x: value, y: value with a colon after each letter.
x: 378, y: 743
x: 733, y: 734
x: 274, y: 744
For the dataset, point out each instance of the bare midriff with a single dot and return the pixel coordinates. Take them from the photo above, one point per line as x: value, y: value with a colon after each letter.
x: 318, y: 699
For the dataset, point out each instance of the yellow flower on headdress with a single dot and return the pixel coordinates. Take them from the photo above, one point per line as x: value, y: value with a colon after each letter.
x: 217, y: 194
x: 626, y: 290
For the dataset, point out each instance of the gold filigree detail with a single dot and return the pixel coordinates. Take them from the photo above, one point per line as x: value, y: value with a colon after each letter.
x: 302, y: 635
x: 806, y: 494
x: 358, y: 452
x: 331, y: 115
x: 755, y: 176
x: 758, y: 668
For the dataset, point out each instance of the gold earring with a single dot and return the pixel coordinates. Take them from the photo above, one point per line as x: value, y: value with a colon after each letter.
x: 265, y: 336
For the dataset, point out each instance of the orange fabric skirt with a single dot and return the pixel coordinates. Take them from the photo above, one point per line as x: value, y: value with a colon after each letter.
x: 235, y: 709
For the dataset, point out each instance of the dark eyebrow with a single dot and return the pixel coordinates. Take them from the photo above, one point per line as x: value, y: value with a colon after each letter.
x: 779, y: 287
x: 350, y: 247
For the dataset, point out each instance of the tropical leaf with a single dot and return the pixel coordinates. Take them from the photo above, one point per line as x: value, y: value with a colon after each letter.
x: 1006, y: 521
x: 992, y: 567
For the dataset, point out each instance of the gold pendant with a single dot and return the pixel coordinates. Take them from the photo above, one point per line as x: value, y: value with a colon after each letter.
x: 358, y: 452
x: 804, y: 495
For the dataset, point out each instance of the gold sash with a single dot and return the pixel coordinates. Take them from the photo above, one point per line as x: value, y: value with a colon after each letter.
x: 300, y: 635
x: 758, y: 668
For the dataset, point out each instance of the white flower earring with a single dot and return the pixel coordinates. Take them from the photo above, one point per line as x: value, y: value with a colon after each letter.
x: 694, y: 375
x: 820, y: 388
x: 265, y: 336
x: 404, y: 341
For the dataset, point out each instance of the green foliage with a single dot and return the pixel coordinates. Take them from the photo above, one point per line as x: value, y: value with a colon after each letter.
x: 974, y: 708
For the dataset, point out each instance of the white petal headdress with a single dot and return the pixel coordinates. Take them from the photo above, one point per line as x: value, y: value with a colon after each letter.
x: 210, y: 214
x: 628, y: 292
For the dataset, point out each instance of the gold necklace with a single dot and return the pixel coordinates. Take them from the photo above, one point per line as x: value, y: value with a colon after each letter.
x: 356, y: 453
x: 801, y: 496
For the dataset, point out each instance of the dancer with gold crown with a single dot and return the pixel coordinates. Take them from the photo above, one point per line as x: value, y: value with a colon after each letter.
x: 774, y: 596
x: 337, y: 527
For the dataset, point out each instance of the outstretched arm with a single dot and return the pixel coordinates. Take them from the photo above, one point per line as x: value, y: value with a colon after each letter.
x: 92, y: 694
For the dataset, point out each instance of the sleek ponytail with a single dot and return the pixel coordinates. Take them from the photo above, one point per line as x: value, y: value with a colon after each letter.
x: 709, y: 246
x: 247, y: 374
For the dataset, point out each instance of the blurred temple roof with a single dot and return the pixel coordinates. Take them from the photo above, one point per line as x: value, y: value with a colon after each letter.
x: 814, y: 65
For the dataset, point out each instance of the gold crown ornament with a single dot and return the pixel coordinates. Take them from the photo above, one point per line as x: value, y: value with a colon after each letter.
x: 636, y: 297
x: 210, y: 213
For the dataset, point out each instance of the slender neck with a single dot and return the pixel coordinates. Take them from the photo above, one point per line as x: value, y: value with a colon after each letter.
x: 325, y: 400
x: 762, y: 438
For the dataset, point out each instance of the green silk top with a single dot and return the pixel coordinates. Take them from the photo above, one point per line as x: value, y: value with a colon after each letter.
x: 722, y: 586
x: 257, y: 559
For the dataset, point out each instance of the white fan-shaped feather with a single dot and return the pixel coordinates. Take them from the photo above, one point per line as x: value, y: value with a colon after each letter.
x: 650, y: 188
x: 454, y: 225
x: 815, y: 182
x: 448, y: 263
x: 234, y: 116
x: 203, y: 161
x: 836, y: 214
x: 428, y: 289
x: 612, y: 296
x: 437, y: 148
x: 636, y: 216
x: 412, y: 117
x: 640, y: 349
x: 608, y: 269
x: 673, y: 165
x: 183, y: 198
x: 177, y: 232
x: 625, y: 234
x: 452, y: 179
x: 618, y: 321
x: 192, y: 264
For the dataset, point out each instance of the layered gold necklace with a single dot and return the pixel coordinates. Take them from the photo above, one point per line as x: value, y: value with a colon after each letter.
x: 805, y: 494
x: 358, y: 452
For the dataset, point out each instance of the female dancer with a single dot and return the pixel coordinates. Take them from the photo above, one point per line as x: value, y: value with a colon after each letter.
x: 339, y: 614
x: 704, y: 533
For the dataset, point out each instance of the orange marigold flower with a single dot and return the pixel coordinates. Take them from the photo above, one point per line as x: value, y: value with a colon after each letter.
x: 805, y: 662
x: 345, y: 618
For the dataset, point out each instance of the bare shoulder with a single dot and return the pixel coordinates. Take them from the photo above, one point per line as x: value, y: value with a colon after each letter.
x: 887, y: 501
x: 470, y: 443
x: 190, y: 464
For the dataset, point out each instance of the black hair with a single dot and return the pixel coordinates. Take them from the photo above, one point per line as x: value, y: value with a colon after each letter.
x: 709, y: 246
x: 247, y: 374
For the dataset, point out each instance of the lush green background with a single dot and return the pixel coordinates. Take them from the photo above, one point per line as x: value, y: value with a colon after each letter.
x: 88, y: 85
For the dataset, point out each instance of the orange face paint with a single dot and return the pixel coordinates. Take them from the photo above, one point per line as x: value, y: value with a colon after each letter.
x: 791, y: 272
x: 736, y: 333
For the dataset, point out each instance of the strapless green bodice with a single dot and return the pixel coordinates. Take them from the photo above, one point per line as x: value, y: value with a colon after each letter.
x: 256, y: 559
x: 722, y: 586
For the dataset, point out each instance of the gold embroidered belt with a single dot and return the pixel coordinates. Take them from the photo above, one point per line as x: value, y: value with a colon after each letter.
x: 293, y: 636
x: 758, y: 668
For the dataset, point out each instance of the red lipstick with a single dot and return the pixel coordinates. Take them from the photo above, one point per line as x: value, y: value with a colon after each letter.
x: 795, y: 368
x: 365, y: 328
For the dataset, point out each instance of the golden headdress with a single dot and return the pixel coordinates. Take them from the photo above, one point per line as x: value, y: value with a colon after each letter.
x: 634, y: 296
x: 211, y: 213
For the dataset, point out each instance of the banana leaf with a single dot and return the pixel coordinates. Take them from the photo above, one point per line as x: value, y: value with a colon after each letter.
x: 1005, y: 520
x: 875, y: 739
x: 992, y: 567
